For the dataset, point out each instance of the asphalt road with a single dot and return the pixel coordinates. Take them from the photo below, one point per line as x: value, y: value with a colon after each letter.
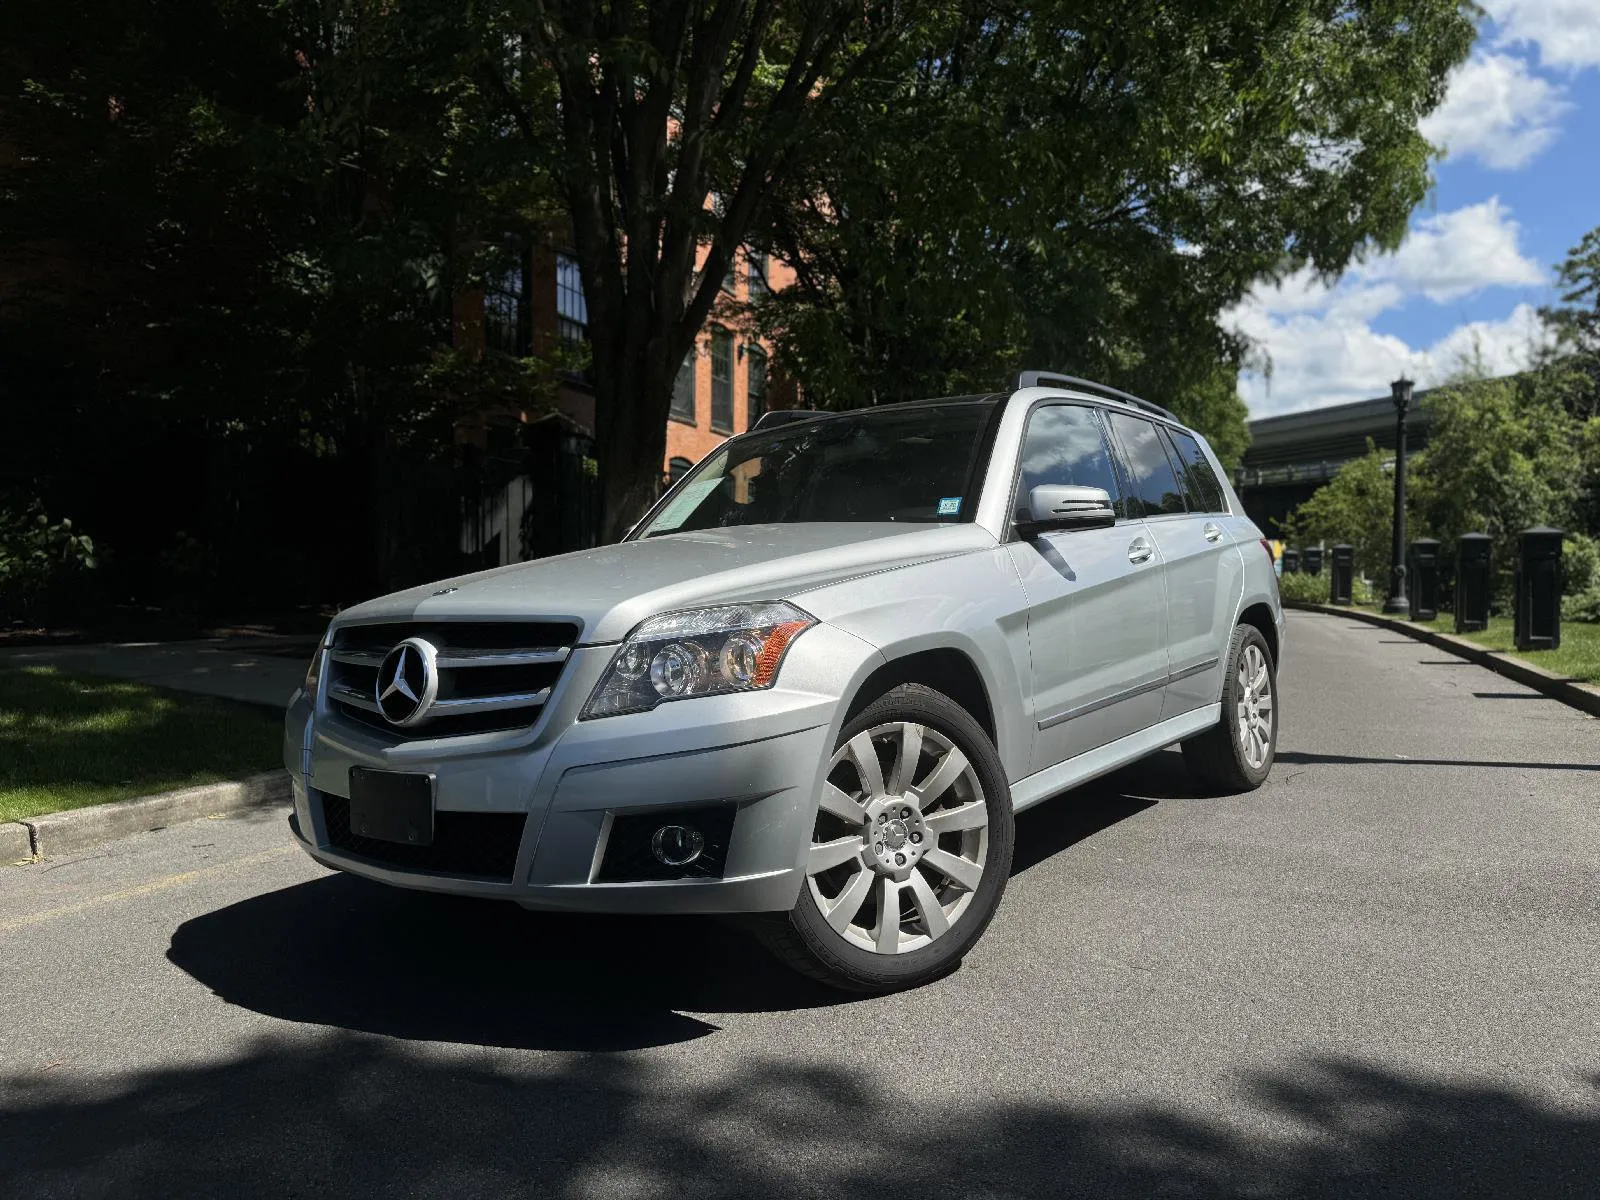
x: 1375, y: 976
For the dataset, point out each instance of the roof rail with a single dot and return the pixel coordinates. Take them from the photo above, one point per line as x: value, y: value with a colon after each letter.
x: 772, y: 418
x: 1028, y: 379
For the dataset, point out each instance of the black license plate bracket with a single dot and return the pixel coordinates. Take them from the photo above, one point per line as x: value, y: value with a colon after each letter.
x: 392, y: 806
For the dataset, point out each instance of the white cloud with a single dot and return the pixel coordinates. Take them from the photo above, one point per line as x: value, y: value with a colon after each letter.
x: 1497, y: 111
x: 1317, y: 341
x: 1566, y: 32
x: 1457, y: 253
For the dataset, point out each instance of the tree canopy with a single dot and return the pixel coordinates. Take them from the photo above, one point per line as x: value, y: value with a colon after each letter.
x: 242, y: 222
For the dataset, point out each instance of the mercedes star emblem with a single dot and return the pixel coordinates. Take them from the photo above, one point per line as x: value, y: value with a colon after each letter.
x: 408, y: 682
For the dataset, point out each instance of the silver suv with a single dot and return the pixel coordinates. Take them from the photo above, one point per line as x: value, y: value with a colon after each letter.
x: 814, y: 684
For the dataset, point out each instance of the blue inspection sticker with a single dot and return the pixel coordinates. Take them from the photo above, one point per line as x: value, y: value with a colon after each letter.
x: 950, y: 506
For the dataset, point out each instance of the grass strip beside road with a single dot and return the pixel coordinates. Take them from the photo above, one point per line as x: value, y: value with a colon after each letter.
x: 1578, y: 657
x: 68, y: 741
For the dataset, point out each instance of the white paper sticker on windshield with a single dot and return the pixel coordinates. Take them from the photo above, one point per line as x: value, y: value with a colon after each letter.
x: 684, y: 503
x: 950, y: 506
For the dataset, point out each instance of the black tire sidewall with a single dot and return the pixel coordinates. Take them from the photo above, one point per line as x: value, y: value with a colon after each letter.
x: 851, y: 966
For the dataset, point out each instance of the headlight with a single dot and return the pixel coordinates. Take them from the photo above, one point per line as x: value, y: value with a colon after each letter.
x: 314, y: 671
x: 698, y: 652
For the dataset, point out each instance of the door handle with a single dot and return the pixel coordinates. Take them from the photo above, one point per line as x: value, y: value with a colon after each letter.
x: 1140, y: 550
x: 1213, y: 531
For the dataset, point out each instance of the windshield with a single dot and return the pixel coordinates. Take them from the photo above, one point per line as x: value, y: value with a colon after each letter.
x: 898, y: 464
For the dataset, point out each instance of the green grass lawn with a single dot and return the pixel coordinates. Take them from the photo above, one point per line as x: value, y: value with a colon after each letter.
x: 67, y: 741
x: 1578, y: 658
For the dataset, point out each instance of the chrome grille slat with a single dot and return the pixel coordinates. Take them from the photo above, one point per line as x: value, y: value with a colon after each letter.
x: 346, y: 694
x: 507, y: 658
x: 359, y: 658
x: 476, y: 704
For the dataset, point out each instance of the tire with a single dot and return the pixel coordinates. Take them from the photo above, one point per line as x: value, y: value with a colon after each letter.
x: 1236, y: 754
x: 948, y: 818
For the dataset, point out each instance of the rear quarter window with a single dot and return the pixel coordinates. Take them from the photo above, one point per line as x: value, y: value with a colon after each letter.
x: 1201, y: 486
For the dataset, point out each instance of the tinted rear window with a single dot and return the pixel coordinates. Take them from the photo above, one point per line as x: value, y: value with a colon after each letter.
x: 1154, y: 486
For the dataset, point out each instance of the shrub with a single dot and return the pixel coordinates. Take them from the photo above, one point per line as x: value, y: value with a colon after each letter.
x: 38, y: 559
x: 1582, y: 606
x: 1580, y: 564
x: 1303, y: 588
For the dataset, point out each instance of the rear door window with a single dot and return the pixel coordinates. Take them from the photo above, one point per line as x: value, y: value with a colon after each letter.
x: 1154, y: 485
x: 1200, y: 484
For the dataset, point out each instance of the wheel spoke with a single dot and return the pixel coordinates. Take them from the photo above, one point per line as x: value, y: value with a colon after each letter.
x: 843, y: 910
x: 932, y: 912
x: 904, y: 771
x: 963, y: 871
x: 1263, y: 727
x: 865, y: 756
x: 1264, y: 703
x: 842, y: 806
x: 827, y: 855
x: 950, y: 769
x: 1259, y: 679
x: 887, y: 935
x: 974, y: 815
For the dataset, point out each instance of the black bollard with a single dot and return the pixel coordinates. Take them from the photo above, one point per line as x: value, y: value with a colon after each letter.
x: 1312, y: 555
x: 1474, y: 582
x: 1424, y: 579
x: 1342, y: 587
x: 1291, y: 561
x: 1538, y: 596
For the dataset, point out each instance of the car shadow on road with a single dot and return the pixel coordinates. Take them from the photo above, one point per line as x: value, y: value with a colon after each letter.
x: 358, y: 1116
x: 343, y: 951
x: 347, y: 952
x: 1305, y: 758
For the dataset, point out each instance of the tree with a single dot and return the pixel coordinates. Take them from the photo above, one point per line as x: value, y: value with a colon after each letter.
x: 1576, y: 320
x: 1089, y: 189
x: 1503, y: 454
x: 962, y: 185
x: 1355, y: 507
x: 674, y: 122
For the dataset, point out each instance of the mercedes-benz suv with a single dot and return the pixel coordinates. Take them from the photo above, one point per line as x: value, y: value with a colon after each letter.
x: 815, y: 683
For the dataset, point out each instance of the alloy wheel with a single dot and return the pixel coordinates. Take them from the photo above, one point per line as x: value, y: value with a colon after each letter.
x: 1255, y: 706
x: 901, y: 838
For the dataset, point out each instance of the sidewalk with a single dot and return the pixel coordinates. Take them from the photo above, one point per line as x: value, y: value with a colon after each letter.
x: 262, y: 671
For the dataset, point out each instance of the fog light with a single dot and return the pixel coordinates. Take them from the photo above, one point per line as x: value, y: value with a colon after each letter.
x: 677, y: 845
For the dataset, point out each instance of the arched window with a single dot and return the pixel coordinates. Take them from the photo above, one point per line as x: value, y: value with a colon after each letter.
x: 677, y: 468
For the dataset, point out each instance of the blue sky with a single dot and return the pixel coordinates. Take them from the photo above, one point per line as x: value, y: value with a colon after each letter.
x: 1518, y: 186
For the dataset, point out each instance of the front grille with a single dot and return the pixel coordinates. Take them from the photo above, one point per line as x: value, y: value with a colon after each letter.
x: 492, y: 675
x: 476, y: 844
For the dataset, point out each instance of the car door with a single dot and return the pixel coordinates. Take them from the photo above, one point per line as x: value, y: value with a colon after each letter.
x: 1096, y: 611
x: 1201, y: 564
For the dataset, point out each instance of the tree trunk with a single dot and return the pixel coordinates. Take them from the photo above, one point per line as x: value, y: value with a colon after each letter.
x: 631, y: 404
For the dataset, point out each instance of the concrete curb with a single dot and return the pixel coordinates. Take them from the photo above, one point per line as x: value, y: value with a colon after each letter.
x: 1579, y: 695
x: 84, y: 828
x: 16, y: 843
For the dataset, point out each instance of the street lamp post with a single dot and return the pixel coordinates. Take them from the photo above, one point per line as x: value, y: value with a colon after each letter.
x: 1400, y: 390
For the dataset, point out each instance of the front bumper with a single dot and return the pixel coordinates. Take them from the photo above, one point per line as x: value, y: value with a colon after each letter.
x: 760, y: 754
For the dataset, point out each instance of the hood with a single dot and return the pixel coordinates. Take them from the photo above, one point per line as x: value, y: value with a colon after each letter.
x: 611, y: 589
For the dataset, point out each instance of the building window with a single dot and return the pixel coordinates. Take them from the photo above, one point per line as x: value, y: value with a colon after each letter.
x: 722, y: 381
x: 756, y: 273
x: 505, y: 313
x: 677, y: 468
x: 756, y: 383
x: 572, y: 311
x: 729, y: 279
x: 683, y: 390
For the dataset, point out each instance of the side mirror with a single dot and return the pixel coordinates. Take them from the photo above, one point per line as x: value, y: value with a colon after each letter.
x: 1066, y: 506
